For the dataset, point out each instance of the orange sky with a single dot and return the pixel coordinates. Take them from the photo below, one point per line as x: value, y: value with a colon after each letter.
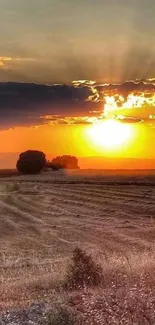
x: 65, y: 58
x: 123, y: 128
x: 75, y: 140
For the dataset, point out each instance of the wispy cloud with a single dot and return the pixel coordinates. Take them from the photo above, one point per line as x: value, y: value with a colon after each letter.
x: 25, y: 59
x: 5, y: 61
x: 69, y: 120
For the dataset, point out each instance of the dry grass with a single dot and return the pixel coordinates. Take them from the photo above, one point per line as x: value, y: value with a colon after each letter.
x: 42, y: 221
x: 83, y: 271
x: 60, y: 316
x: 127, y: 295
x: 8, y: 173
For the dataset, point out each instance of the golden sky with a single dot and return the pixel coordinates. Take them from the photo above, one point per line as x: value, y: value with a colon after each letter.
x: 79, y: 140
x: 107, y: 48
x: 57, y: 41
x: 102, y: 120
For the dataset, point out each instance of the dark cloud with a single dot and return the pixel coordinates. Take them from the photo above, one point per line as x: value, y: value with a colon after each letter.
x: 127, y: 87
x: 24, y: 104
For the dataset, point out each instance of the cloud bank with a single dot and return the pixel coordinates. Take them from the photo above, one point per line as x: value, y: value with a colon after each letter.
x: 81, y: 102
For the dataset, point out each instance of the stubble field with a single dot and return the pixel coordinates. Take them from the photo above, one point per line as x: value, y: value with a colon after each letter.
x: 109, y: 215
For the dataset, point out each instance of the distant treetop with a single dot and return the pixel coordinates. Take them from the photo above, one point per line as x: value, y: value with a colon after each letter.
x: 63, y: 162
x: 31, y: 162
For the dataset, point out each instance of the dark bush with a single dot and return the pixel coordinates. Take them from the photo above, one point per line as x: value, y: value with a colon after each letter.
x: 60, y: 316
x: 83, y: 271
x: 31, y: 162
x: 50, y: 165
x: 63, y: 162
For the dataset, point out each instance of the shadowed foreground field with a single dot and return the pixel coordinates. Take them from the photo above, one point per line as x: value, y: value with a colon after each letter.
x: 109, y: 216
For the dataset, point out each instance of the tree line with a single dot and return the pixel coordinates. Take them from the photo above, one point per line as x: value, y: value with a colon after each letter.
x: 34, y: 161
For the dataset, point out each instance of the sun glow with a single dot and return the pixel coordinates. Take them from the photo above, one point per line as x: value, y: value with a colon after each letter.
x: 110, y: 134
x: 118, y: 102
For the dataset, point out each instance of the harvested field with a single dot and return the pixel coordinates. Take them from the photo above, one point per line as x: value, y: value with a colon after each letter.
x: 44, y: 218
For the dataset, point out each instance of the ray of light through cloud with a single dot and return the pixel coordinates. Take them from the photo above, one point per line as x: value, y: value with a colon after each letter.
x: 77, y: 63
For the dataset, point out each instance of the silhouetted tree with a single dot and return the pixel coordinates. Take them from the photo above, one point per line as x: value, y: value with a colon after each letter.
x: 63, y: 162
x: 31, y: 162
x: 50, y: 165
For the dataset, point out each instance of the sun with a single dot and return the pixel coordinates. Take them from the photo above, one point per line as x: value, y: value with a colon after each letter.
x: 110, y: 134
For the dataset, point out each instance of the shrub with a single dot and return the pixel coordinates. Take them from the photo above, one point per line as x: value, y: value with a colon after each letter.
x: 51, y: 165
x: 31, y: 162
x: 63, y: 162
x: 60, y: 316
x: 83, y: 271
